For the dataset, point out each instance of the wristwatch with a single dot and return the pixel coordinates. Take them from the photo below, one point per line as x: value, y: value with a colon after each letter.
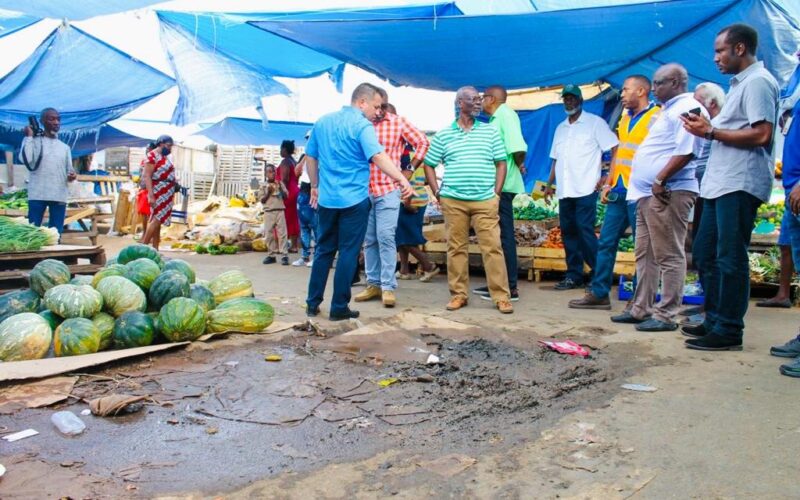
x: 658, y: 181
x: 709, y: 135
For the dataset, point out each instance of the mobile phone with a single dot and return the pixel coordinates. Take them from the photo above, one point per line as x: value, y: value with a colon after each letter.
x: 695, y: 111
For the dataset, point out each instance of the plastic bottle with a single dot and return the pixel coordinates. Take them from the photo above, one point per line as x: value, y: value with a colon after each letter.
x: 68, y: 423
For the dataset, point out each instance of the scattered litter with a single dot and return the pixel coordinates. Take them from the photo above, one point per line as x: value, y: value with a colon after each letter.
x: 36, y: 394
x: 273, y: 358
x: 432, y: 359
x: 172, y: 421
x: 72, y: 463
x: 639, y: 387
x: 356, y: 423
x: 115, y: 404
x: 566, y: 347
x: 86, y: 412
x: 231, y: 363
x: 211, y: 430
x: 2, y: 470
x: 20, y: 435
x: 425, y: 377
x: 387, y: 382
x: 449, y: 465
x: 68, y: 423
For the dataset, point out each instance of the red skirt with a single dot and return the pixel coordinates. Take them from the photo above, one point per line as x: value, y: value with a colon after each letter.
x: 142, y: 205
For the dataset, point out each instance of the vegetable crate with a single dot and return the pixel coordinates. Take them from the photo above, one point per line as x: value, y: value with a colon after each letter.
x: 555, y: 259
x: 623, y: 294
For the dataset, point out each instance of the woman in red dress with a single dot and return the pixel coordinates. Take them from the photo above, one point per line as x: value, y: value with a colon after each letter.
x: 288, y: 177
x: 161, y: 184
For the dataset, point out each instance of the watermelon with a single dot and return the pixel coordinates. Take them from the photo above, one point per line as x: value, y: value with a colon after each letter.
x: 230, y: 285
x: 182, y: 319
x: 47, y: 274
x: 52, y: 318
x: 203, y: 296
x: 139, y: 251
x: 24, y: 336
x: 76, y: 336
x: 133, y: 329
x: 70, y: 301
x: 82, y: 279
x: 244, y: 314
x: 19, y: 301
x: 112, y: 270
x: 121, y: 295
x: 182, y: 267
x: 167, y: 286
x: 142, y: 272
x: 104, y: 323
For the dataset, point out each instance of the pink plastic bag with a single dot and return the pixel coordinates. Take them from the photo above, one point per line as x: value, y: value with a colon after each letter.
x: 566, y: 347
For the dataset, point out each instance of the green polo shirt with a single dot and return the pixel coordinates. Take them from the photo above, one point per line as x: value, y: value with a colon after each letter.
x: 507, y: 122
x: 469, y: 160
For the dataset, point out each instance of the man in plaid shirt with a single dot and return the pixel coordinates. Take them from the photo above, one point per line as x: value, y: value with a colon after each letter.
x: 380, y: 250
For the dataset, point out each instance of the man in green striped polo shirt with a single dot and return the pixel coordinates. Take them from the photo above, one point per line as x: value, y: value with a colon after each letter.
x: 474, y: 159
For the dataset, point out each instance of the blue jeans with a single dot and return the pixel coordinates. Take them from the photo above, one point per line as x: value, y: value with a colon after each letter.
x: 720, y: 250
x: 380, y: 251
x: 57, y: 212
x: 308, y: 223
x: 577, y: 217
x: 340, y: 230
x: 507, y: 239
x: 619, y: 215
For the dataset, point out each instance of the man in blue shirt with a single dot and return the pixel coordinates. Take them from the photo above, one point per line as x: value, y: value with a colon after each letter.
x: 338, y: 155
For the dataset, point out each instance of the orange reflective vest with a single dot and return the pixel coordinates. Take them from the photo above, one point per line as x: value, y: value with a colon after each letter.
x: 629, y: 141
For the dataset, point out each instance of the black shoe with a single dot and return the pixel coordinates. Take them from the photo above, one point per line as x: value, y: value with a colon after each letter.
x: 713, y: 342
x: 269, y: 260
x: 284, y: 261
x: 628, y: 318
x: 514, y: 297
x: 694, y: 331
x: 342, y: 315
x: 482, y: 291
x: 312, y: 311
x: 656, y: 325
x: 568, y: 284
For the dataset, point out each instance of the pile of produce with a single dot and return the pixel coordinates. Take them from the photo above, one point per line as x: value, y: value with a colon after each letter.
x: 553, y: 239
x: 766, y: 267
x: 626, y: 244
x: 16, y: 235
x: 138, y: 300
x: 526, y: 208
x: 529, y: 234
x: 770, y: 212
x: 213, y: 249
x: 17, y: 200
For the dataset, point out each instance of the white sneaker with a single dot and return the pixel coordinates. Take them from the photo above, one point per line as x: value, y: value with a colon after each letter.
x: 299, y: 262
x: 309, y: 263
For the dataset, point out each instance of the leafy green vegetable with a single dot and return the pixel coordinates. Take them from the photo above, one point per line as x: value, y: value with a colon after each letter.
x: 17, y: 236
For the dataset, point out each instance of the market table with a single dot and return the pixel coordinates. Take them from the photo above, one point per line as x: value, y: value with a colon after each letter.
x: 16, y: 266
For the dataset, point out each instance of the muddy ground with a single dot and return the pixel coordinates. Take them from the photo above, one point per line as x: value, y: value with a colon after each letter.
x: 497, y: 417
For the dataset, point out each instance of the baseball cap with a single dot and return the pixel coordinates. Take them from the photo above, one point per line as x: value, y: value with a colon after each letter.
x: 573, y: 90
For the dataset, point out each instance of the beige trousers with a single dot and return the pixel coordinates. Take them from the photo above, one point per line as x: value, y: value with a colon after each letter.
x: 275, y: 221
x: 483, y: 215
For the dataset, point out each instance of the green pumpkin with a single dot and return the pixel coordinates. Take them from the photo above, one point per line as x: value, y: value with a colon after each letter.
x: 112, y: 270
x: 47, y: 274
x: 76, y: 336
x: 240, y: 315
x: 19, y: 301
x: 203, y: 296
x: 139, y: 251
x: 182, y: 319
x: 104, y: 323
x: 182, y: 267
x: 133, y: 329
x: 52, y: 318
x: 230, y: 285
x: 168, y: 285
x: 70, y: 301
x: 24, y: 336
x: 121, y: 295
x: 82, y: 279
x: 143, y: 272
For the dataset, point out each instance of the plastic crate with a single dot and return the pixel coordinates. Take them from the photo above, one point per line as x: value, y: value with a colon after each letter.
x: 694, y: 300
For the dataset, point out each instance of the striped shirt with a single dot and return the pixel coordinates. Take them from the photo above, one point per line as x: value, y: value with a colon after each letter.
x: 393, y: 133
x: 469, y: 160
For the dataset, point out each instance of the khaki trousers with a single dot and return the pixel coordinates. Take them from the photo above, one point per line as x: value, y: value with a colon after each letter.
x: 483, y: 215
x: 660, y: 238
x: 275, y: 221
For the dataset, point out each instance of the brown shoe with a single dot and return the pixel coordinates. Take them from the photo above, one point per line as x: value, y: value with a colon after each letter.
x: 456, y: 303
x: 369, y: 293
x: 504, y: 306
x: 590, y: 301
x: 388, y: 298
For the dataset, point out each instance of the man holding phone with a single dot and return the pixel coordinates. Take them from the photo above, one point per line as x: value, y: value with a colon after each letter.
x: 634, y: 125
x: 663, y: 183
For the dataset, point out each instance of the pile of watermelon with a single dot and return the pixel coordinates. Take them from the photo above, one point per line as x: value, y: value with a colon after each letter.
x: 136, y: 300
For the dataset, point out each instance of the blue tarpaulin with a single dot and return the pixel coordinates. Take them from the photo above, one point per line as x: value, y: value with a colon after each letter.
x: 88, y: 81
x: 73, y: 10
x: 11, y: 22
x: 82, y: 143
x: 251, y: 132
x: 553, y: 47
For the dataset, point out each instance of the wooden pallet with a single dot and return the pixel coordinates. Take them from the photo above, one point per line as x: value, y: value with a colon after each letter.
x: 437, y: 253
x: 16, y: 266
x: 555, y: 259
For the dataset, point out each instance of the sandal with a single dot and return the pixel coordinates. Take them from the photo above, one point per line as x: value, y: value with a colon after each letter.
x: 402, y: 276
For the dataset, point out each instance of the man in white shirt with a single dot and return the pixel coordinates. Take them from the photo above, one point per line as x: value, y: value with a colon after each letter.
x: 576, y: 168
x: 664, y: 184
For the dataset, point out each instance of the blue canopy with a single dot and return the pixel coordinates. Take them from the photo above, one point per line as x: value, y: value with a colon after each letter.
x: 81, y: 142
x: 552, y: 47
x: 11, y: 22
x: 251, y: 132
x: 75, y: 11
x: 88, y: 81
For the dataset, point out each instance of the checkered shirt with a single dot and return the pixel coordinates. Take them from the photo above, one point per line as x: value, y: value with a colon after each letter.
x: 393, y: 133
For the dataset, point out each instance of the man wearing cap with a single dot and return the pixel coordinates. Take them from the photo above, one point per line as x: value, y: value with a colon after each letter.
x: 576, y: 169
